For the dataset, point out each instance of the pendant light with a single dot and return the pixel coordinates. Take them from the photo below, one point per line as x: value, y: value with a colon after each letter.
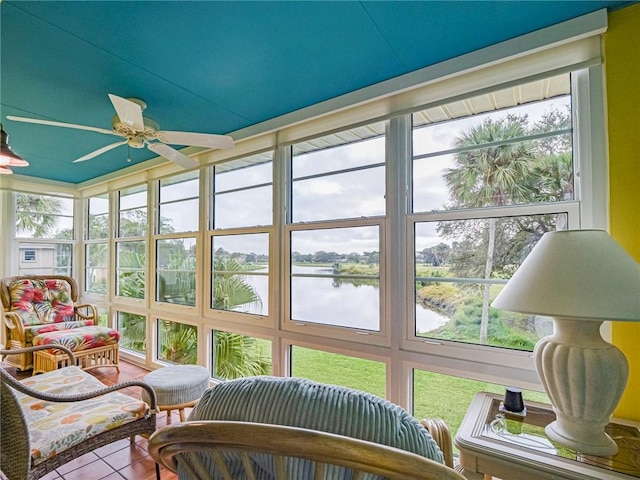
x: 7, y: 157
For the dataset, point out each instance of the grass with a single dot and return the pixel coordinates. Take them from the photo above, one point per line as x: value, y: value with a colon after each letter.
x: 435, y: 395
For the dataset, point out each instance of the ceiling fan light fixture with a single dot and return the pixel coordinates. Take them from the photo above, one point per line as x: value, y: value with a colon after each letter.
x: 7, y: 157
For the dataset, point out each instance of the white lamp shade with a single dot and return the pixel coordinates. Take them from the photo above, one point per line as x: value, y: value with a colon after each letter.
x: 575, y: 274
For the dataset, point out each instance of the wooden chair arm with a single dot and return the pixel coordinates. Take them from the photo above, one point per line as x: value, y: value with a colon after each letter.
x: 91, y: 315
x: 440, y: 432
x: 35, y: 348
x: 14, y: 323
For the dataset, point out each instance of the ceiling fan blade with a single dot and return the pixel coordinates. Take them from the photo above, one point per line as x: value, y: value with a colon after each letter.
x: 100, y: 151
x: 59, y: 124
x: 195, y: 139
x: 172, y: 154
x: 129, y: 113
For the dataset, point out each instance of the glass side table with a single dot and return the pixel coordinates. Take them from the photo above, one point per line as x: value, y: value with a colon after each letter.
x: 514, y: 447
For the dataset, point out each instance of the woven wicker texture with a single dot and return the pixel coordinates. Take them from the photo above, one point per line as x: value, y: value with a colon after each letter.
x: 15, y: 437
x: 329, y: 408
x: 177, y: 384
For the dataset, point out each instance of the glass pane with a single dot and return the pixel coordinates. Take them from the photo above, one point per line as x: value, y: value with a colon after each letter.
x: 333, y: 191
x: 133, y: 197
x: 130, y: 269
x: 176, y: 271
x: 133, y: 332
x: 353, y: 148
x: 97, y: 267
x: 243, y: 192
x: 514, y: 156
x: 447, y: 397
x: 98, y: 221
x: 133, y: 223
x: 179, y: 216
x: 240, y: 273
x: 45, y: 258
x: 335, y: 369
x: 133, y: 212
x: 103, y: 317
x: 177, y: 342
x: 235, y: 356
x: 241, y: 174
x: 179, y: 187
x: 462, y: 265
x: 345, y: 195
x: 335, y: 277
x: 244, y: 208
x: 64, y: 252
x: 42, y: 216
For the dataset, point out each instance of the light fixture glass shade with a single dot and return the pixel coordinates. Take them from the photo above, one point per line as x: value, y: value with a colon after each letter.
x: 575, y: 274
x: 580, y: 278
x: 7, y: 157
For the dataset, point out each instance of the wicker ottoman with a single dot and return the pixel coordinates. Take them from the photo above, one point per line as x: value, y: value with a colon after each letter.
x: 177, y: 387
x: 92, y: 347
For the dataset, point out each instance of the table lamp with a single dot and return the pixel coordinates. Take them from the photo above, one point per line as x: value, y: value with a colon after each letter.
x: 580, y: 278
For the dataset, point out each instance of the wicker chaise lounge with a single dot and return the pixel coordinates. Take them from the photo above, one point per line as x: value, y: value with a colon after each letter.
x: 74, y: 421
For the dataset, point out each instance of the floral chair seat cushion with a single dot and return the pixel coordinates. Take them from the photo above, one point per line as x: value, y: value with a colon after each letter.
x: 55, y: 427
x: 42, y: 301
x: 78, y: 339
x: 33, y: 330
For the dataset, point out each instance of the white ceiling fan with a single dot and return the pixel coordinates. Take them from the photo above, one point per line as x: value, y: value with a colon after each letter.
x: 139, y: 132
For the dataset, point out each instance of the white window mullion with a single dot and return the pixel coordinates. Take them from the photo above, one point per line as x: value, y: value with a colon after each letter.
x: 396, y: 315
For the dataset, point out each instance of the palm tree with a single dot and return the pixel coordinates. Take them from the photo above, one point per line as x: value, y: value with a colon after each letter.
x: 230, y: 289
x: 494, y: 175
x: 36, y: 214
x: 236, y: 355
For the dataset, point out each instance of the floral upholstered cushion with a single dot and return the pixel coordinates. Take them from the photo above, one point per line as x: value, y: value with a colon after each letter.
x: 42, y: 301
x: 31, y: 331
x: 82, y: 338
x: 55, y: 427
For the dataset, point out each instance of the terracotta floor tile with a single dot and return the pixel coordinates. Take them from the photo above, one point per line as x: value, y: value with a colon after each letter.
x: 142, y: 469
x: 51, y: 476
x: 168, y: 474
x: 91, y: 471
x: 79, y: 462
x: 122, y: 458
x: 115, y: 476
x: 112, y: 447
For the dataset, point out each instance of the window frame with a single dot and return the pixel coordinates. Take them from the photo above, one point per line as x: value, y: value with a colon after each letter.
x: 570, y: 46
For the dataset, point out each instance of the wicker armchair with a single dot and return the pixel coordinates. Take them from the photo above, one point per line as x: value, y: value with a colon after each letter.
x: 35, y: 304
x: 212, y: 450
x: 273, y: 419
x: 76, y: 423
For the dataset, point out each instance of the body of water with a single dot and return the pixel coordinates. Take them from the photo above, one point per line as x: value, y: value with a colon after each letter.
x: 319, y: 300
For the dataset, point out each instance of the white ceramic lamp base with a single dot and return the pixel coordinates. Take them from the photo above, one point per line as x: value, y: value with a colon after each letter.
x: 584, y: 377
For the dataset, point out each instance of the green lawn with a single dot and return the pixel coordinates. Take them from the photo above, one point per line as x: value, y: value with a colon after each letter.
x: 435, y: 395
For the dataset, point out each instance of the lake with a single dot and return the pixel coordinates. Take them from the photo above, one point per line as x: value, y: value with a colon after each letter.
x: 320, y: 300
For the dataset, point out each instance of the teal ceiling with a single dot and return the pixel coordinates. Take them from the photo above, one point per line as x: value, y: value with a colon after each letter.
x: 216, y: 67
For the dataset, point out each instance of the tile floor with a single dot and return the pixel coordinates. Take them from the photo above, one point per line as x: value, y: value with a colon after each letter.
x: 119, y: 460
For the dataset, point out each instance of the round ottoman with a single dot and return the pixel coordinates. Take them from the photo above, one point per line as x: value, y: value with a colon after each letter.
x: 177, y: 387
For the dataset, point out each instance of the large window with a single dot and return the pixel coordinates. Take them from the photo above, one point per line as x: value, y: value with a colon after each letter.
x: 337, y: 207
x: 488, y: 181
x: 175, y: 245
x: 44, y: 229
x: 96, y: 262
x: 131, y: 245
x: 240, y: 237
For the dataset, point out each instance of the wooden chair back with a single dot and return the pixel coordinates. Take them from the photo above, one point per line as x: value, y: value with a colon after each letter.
x: 229, y: 450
